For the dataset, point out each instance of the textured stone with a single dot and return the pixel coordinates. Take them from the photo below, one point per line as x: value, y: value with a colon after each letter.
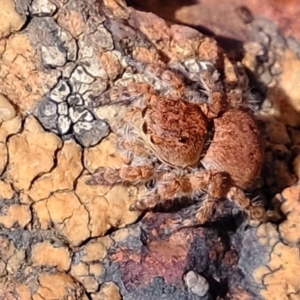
x: 43, y: 8
x: 78, y: 113
x: 79, y: 75
x: 109, y: 291
x: 103, y: 155
x: 12, y: 256
x: 69, y: 216
x: 106, y: 208
x: 277, y: 132
x: 3, y: 157
x: 96, y: 250
x: 15, y: 214
x: 6, y: 191
x: 46, y: 112
x: 62, y: 108
x: 46, y: 108
x: 286, y: 96
x: 90, y: 284
x: 75, y: 100
x: 10, y: 20
x: 58, y: 286
x: 72, y: 18
x: 112, y: 114
x: 43, y: 219
x: 60, y: 92
x: 289, y: 229
x: 7, y: 111
x: 97, y: 269
x: 55, y: 49
x: 281, y: 280
x: 63, y: 124
x: 31, y: 153
x: 63, y: 176
x: 45, y: 254
x: 111, y: 64
x: 79, y: 270
x: 66, y: 211
x: 120, y: 235
x: 9, y: 127
x: 90, y: 133
x: 24, y: 85
x: 96, y: 204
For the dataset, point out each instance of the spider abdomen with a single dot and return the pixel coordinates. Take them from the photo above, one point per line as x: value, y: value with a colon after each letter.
x: 237, y: 147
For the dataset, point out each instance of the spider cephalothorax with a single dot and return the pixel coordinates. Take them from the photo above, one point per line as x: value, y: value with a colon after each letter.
x: 164, y: 133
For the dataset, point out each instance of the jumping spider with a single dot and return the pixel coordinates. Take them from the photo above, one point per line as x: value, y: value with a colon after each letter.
x: 166, y: 132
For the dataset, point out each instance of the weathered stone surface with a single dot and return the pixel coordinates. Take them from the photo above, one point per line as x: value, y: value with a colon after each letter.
x: 43, y: 220
x: 55, y: 50
x: 79, y: 270
x: 45, y: 254
x: 15, y: 214
x: 43, y: 7
x: 58, y: 285
x: 69, y: 216
x: 24, y: 85
x: 31, y: 154
x: 64, y: 174
x: 96, y: 250
x: 3, y: 157
x: 90, y: 133
x: 105, y: 205
x: 11, y: 21
x: 103, y: 155
x: 60, y: 92
x: 12, y: 256
x: 6, y: 191
x: 109, y: 291
x: 280, y: 281
x: 9, y: 127
x: 7, y: 111
x: 286, y: 97
x: 289, y: 229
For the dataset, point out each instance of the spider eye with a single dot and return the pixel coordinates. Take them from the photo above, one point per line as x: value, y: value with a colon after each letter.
x: 145, y: 128
x: 182, y: 139
x: 152, y: 140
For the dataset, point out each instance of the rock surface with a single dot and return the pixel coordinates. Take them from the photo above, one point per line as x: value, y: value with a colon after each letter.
x: 64, y: 239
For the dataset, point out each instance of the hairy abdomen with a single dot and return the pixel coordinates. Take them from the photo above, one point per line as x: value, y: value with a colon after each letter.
x: 237, y: 147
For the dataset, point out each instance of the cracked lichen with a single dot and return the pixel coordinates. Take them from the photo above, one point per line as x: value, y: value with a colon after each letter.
x: 10, y: 20
x: 31, y: 153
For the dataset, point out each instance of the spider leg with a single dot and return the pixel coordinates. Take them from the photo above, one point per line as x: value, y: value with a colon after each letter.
x: 125, y: 95
x: 256, y: 213
x: 123, y: 175
x: 134, y: 92
x: 165, y: 80
x: 171, y: 186
x: 215, y: 184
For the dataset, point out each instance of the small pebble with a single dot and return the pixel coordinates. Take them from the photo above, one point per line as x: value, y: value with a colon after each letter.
x: 196, y: 283
x: 7, y: 111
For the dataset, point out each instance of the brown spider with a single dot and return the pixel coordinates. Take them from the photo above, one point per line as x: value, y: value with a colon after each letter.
x: 165, y: 133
